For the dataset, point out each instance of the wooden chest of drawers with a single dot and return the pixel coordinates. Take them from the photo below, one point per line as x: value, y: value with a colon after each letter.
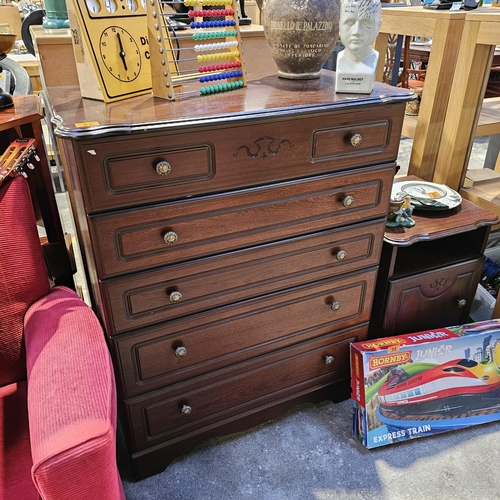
x: 232, y: 243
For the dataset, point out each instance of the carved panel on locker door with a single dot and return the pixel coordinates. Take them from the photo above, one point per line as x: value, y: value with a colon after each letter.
x: 434, y: 299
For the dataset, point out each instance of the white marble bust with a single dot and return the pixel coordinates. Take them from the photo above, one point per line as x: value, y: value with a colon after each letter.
x: 360, y: 22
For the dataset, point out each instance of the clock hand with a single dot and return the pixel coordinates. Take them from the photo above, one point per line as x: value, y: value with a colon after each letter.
x: 122, y: 52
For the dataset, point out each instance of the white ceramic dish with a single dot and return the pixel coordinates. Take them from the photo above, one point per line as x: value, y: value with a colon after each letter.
x: 427, y: 195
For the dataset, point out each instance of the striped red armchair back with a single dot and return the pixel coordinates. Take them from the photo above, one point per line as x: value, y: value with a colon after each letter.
x: 23, y: 278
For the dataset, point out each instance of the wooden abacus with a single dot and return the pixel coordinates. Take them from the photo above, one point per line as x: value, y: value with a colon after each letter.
x: 218, y: 52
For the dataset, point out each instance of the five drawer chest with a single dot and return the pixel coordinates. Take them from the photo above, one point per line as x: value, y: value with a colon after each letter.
x: 232, y: 245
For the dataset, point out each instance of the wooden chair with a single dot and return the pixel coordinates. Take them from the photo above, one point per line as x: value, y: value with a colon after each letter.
x: 405, y: 79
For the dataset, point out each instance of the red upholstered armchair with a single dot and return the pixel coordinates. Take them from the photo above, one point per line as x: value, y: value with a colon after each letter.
x: 57, y: 390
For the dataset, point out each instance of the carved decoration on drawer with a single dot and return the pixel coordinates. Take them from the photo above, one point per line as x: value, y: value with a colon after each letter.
x: 263, y: 147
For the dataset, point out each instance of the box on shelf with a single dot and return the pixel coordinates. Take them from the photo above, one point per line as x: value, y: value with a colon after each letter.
x: 425, y: 383
x: 484, y: 302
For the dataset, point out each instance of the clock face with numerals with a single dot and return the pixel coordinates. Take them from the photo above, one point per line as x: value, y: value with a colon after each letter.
x: 110, y: 41
x: 120, y: 54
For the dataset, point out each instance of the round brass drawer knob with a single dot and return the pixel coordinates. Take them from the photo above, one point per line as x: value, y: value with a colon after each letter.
x: 462, y: 303
x: 175, y: 297
x: 170, y: 238
x: 348, y: 201
x: 329, y: 360
x: 181, y: 352
x: 163, y: 168
x: 186, y: 410
x: 341, y: 255
x: 335, y: 306
x: 356, y: 140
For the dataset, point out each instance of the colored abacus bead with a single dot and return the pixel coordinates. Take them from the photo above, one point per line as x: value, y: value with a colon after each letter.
x: 194, y: 3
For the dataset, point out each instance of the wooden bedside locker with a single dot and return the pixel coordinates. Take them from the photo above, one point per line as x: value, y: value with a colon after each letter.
x: 429, y: 273
x: 232, y: 243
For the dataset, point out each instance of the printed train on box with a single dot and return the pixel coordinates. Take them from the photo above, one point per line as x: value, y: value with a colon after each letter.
x: 425, y: 383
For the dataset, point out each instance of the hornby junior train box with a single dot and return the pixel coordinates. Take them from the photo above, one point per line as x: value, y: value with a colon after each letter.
x: 425, y: 383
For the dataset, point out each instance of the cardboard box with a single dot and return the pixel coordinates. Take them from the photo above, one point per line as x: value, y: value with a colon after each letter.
x: 425, y: 383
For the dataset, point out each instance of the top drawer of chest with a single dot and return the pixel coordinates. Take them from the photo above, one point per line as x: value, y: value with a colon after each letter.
x: 125, y: 171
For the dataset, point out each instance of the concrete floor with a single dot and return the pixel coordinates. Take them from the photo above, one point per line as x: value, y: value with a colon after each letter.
x: 477, y: 157
x: 310, y: 454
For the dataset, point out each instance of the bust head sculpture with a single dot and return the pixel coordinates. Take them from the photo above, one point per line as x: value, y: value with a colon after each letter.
x: 360, y: 22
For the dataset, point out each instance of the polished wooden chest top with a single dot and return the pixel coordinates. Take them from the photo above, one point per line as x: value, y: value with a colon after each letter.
x: 232, y: 244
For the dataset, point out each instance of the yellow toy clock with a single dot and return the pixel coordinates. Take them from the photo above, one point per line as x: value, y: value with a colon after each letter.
x: 110, y: 41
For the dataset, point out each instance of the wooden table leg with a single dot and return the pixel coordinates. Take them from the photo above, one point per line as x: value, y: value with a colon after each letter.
x: 435, y: 96
x: 381, y: 47
x: 464, y: 107
x: 445, y: 28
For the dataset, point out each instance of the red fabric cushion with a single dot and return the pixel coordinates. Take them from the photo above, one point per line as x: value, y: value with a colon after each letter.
x: 71, y: 400
x: 22, y: 274
x: 15, y: 454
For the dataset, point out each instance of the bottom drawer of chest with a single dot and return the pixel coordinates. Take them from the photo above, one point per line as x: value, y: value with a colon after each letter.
x: 217, y: 399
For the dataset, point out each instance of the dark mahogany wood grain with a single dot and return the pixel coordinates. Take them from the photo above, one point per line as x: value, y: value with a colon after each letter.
x: 267, y: 96
x: 440, y: 224
x: 119, y: 172
x: 225, y: 336
x: 426, y: 269
x: 143, y: 299
x: 133, y: 240
x: 431, y: 300
x: 226, y: 395
x: 154, y: 459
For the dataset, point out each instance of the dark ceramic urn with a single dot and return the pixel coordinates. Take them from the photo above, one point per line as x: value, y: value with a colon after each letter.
x: 301, y: 34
